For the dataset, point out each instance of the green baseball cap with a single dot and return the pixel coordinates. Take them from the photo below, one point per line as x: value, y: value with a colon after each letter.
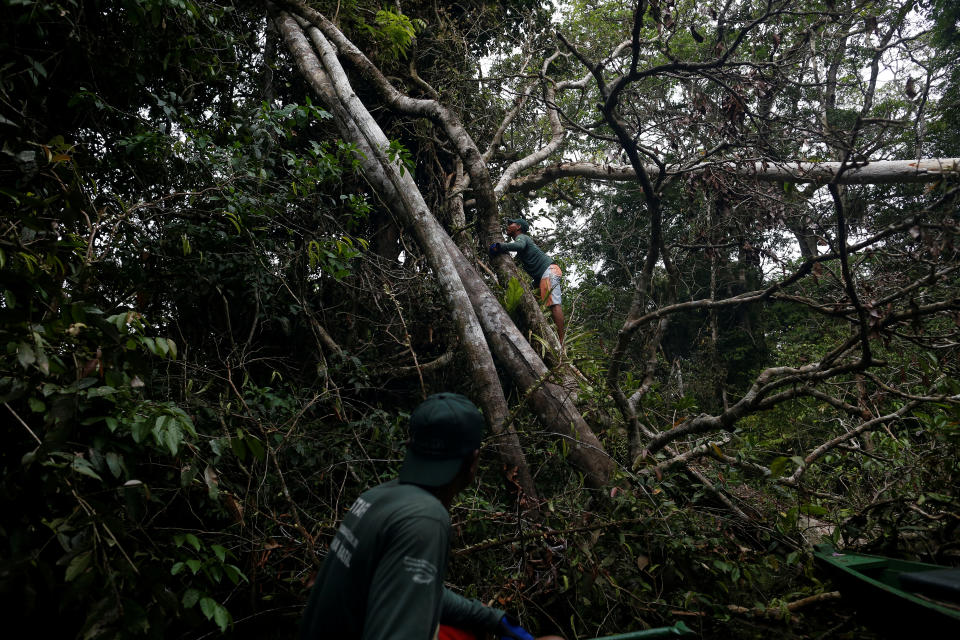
x: 444, y: 429
x: 524, y: 225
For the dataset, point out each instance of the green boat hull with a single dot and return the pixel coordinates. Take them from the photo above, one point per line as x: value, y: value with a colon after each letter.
x: 873, y: 585
x: 678, y: 629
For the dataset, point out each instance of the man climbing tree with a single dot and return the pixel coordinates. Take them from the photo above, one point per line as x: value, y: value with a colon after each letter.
x: 541, y: 267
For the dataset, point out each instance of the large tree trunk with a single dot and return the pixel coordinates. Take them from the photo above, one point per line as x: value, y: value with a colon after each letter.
x: 550, y: 392
x: 551, y: 402
x: 876, y: 172
x: 477, y: 175
x: 356, y: 124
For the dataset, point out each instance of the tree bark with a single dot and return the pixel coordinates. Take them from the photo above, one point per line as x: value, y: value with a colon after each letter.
x: 329, y: 82
x: 474, y: 164
x: 876, y: 172
x: 551, y: 402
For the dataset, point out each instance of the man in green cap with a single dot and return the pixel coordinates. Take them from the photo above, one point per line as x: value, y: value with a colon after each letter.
x: 383, y: 576
x: 541, y: 267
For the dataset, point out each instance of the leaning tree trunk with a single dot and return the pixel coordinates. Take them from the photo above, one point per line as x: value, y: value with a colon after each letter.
x: 329, y: 81
x: 474, y: 164
x: 551, y: 402
x: 795, y: 172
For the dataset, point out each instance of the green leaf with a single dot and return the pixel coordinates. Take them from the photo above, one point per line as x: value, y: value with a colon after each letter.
x: 25, y: 355
x: 183, y: 420
x: 77, y: 566
x: 43, y: 364
x: 194, y: 565
x: 778, y: 466
x: 177, y: 568
x: 172, y: 438
x: 221, y: 552
x: 149, y: 344
x: 256, y: 448
x: 99, y: 392
x: 111, y: 423
x: 208, y: 606
x: 814, y: 510
x: 172, y: 347
x: 82, y: 466
x: 190, y: 598
x: 115, y: 463
x: 119, y: 321
x: 37, y: 405
x: 216, y: 445
x: 513, y: 296
x: 193, y: 540
x: 222, y: 617
x: 38, y: 66
x: 233, y: 572
x: 139, y: 430
x: 238, y: 447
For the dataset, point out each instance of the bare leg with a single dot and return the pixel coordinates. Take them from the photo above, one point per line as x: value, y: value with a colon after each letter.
x: 557, y: 312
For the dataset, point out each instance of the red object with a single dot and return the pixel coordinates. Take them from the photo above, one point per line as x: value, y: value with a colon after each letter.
x: 452, y: 633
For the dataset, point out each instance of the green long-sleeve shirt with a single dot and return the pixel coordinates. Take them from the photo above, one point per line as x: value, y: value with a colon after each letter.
x: 383, y: 576
x: 532, y: 258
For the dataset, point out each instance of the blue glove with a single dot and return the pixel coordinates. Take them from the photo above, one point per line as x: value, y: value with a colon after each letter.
x: 495, y: 249
x: 509, y: 627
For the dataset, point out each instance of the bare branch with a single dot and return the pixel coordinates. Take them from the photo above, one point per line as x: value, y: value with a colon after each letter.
x: 815, y: 173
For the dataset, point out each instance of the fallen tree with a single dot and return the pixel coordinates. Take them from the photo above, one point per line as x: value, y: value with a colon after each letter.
x: 551, y: 387
x: 551, y: 403
x: 818, y: 173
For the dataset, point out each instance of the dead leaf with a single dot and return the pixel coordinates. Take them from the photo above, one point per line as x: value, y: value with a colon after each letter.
x: 642, y: 562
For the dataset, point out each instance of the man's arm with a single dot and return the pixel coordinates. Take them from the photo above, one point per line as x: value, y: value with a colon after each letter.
x: 516, y: 245
x: 467, y: 613
x: 407, y: 586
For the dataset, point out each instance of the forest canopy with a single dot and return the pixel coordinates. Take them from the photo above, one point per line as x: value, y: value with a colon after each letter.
x: 240, y: 241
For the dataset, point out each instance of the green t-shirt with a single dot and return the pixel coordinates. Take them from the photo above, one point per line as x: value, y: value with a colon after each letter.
x: 533, y: 259
x: 383, y: 576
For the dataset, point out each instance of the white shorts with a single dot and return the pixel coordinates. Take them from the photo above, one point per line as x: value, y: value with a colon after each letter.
x: 550, y: 285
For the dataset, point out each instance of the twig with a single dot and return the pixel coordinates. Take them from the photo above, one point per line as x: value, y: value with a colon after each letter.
x: 409, y: 341
x: 92, y: 513
x: 543, y: 533
x: 776, y: 613
x: 25, y: 426
x: 283, y: 483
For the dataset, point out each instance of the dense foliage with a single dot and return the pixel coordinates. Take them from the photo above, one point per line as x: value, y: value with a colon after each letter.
x: 213, y: 328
